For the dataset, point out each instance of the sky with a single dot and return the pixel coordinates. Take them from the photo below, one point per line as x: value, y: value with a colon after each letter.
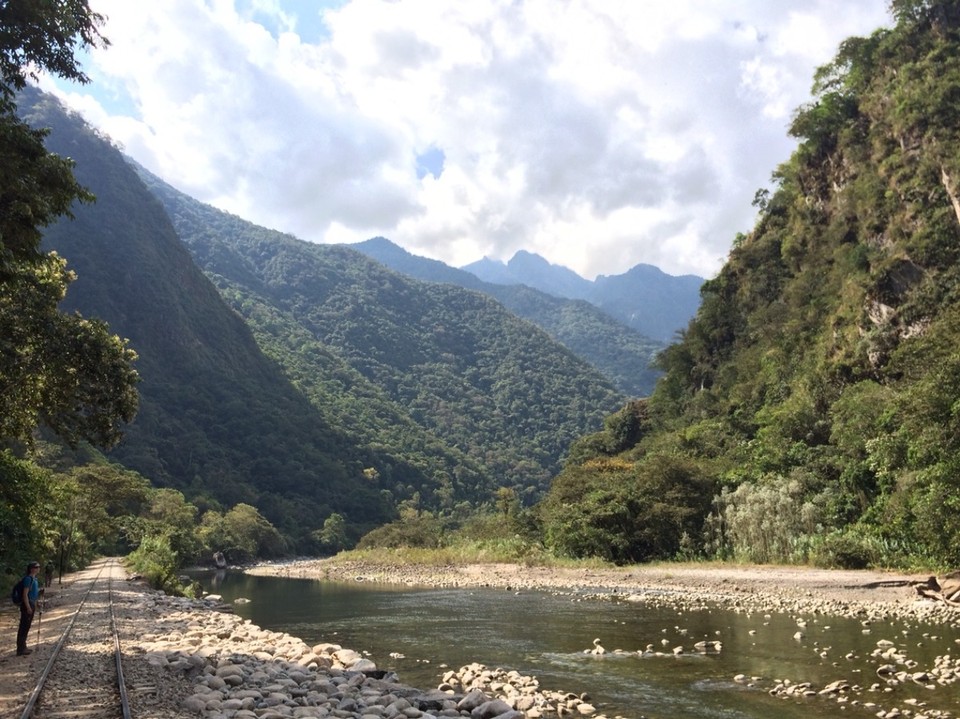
x: 599, y: 134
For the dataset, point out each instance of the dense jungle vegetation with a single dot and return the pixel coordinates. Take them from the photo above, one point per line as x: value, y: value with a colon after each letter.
x: 431, y: 356
x: 308, y: 381
x: 622, y: 354
x: 811, y: 411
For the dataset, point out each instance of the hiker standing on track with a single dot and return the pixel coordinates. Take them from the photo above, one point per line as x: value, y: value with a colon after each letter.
x: 29, y: 593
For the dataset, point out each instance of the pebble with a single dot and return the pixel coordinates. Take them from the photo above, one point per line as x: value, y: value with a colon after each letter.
x: 239, y: 670
x: 895, y: 669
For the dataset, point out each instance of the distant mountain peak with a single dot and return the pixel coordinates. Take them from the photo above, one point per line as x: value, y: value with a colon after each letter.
x: 380, y: 241
x: 644, y: 297
x: 524, y: 260
x: 381, y: 245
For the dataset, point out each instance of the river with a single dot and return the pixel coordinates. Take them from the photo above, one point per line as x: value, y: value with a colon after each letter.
x: 419, y: 633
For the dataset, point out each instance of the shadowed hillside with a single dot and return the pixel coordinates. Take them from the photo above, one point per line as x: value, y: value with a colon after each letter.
x: 218, y: 418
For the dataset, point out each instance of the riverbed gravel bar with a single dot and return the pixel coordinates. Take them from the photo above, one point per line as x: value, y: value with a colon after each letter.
x: 853, y: 593
x: 871, y: 597
x: 195, y: 658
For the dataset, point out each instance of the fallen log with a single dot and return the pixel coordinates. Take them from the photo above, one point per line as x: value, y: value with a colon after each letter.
x: 945, y: 588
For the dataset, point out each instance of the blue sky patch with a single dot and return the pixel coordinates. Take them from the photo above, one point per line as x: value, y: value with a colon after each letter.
x: 308, y: 13
x: 430, y: 163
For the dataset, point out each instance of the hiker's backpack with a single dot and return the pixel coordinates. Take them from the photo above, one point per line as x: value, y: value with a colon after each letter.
x: 16, y: 594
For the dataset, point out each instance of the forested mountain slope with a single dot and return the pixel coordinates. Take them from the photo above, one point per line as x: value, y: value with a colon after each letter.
x: 618, y: 352
x: 812, y: 409
x: 456, y: 363
x: 217, y: 419
x: 645, y: 298
x: 351, y: 390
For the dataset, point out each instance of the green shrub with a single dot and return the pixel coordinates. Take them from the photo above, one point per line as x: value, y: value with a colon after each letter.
x: 25, y: 502
x: 424, y: 531
x: 156, y: 561
x: 763, y: 522
x: 846, y: 549
x: 625, y: 512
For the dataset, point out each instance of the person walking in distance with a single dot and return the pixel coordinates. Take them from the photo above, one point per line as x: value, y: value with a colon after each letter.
x: 29, y: 593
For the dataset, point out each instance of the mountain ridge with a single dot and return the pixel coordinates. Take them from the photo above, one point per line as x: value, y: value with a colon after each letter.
x: 203, y: 377
x: 644, y: 297
x: 415, y: 342
x: 619, y: 352
x: 307, y: 380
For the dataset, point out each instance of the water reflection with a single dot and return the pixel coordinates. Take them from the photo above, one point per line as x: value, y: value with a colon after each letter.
x: 418, y: 633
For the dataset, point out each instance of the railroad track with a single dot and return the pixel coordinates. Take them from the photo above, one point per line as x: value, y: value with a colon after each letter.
x: 83, y: 678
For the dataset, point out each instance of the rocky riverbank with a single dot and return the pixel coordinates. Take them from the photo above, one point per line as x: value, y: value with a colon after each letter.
x: 195, y: 658
x: 873, y: 598
x: 224, y: 667
x: 865, y: 594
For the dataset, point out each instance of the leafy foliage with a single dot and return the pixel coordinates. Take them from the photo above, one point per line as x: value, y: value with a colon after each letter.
x: 241, y: 534
x: 91, y: 512
x: 58, y: 370
x: 818, y: 384
x: 420, y: 531
x: 625, y: 512
x: 45, y: 35
x: 24, y: 494
x: 157, y: 561
x: 508, y: 534
x: 77, y: 508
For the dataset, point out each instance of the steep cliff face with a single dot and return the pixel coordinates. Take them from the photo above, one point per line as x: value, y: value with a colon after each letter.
x: 819, y: 384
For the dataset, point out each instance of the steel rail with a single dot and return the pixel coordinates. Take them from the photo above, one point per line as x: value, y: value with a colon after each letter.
x: 51, y: 663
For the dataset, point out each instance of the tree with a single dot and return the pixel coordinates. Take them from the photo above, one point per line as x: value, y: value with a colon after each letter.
x: 942, y: 13
x: 507, y: 502
x: 59, y: 370
x: 64, y: 371
x: 103, y: 497
x: 25, y: 498
x: 625, y: 512
x: 45, y: 35
x: 36, y: 36
x: 251, y: 534
x: 171, y: 516
x: 333, y: 536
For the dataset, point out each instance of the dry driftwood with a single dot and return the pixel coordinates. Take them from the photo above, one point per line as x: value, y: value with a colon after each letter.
x: 945, y: 588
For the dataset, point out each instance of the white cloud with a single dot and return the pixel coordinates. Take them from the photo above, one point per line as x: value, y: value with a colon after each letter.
x: 599, y: 135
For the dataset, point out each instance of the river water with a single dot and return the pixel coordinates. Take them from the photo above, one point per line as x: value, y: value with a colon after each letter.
x: 420, y: 633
